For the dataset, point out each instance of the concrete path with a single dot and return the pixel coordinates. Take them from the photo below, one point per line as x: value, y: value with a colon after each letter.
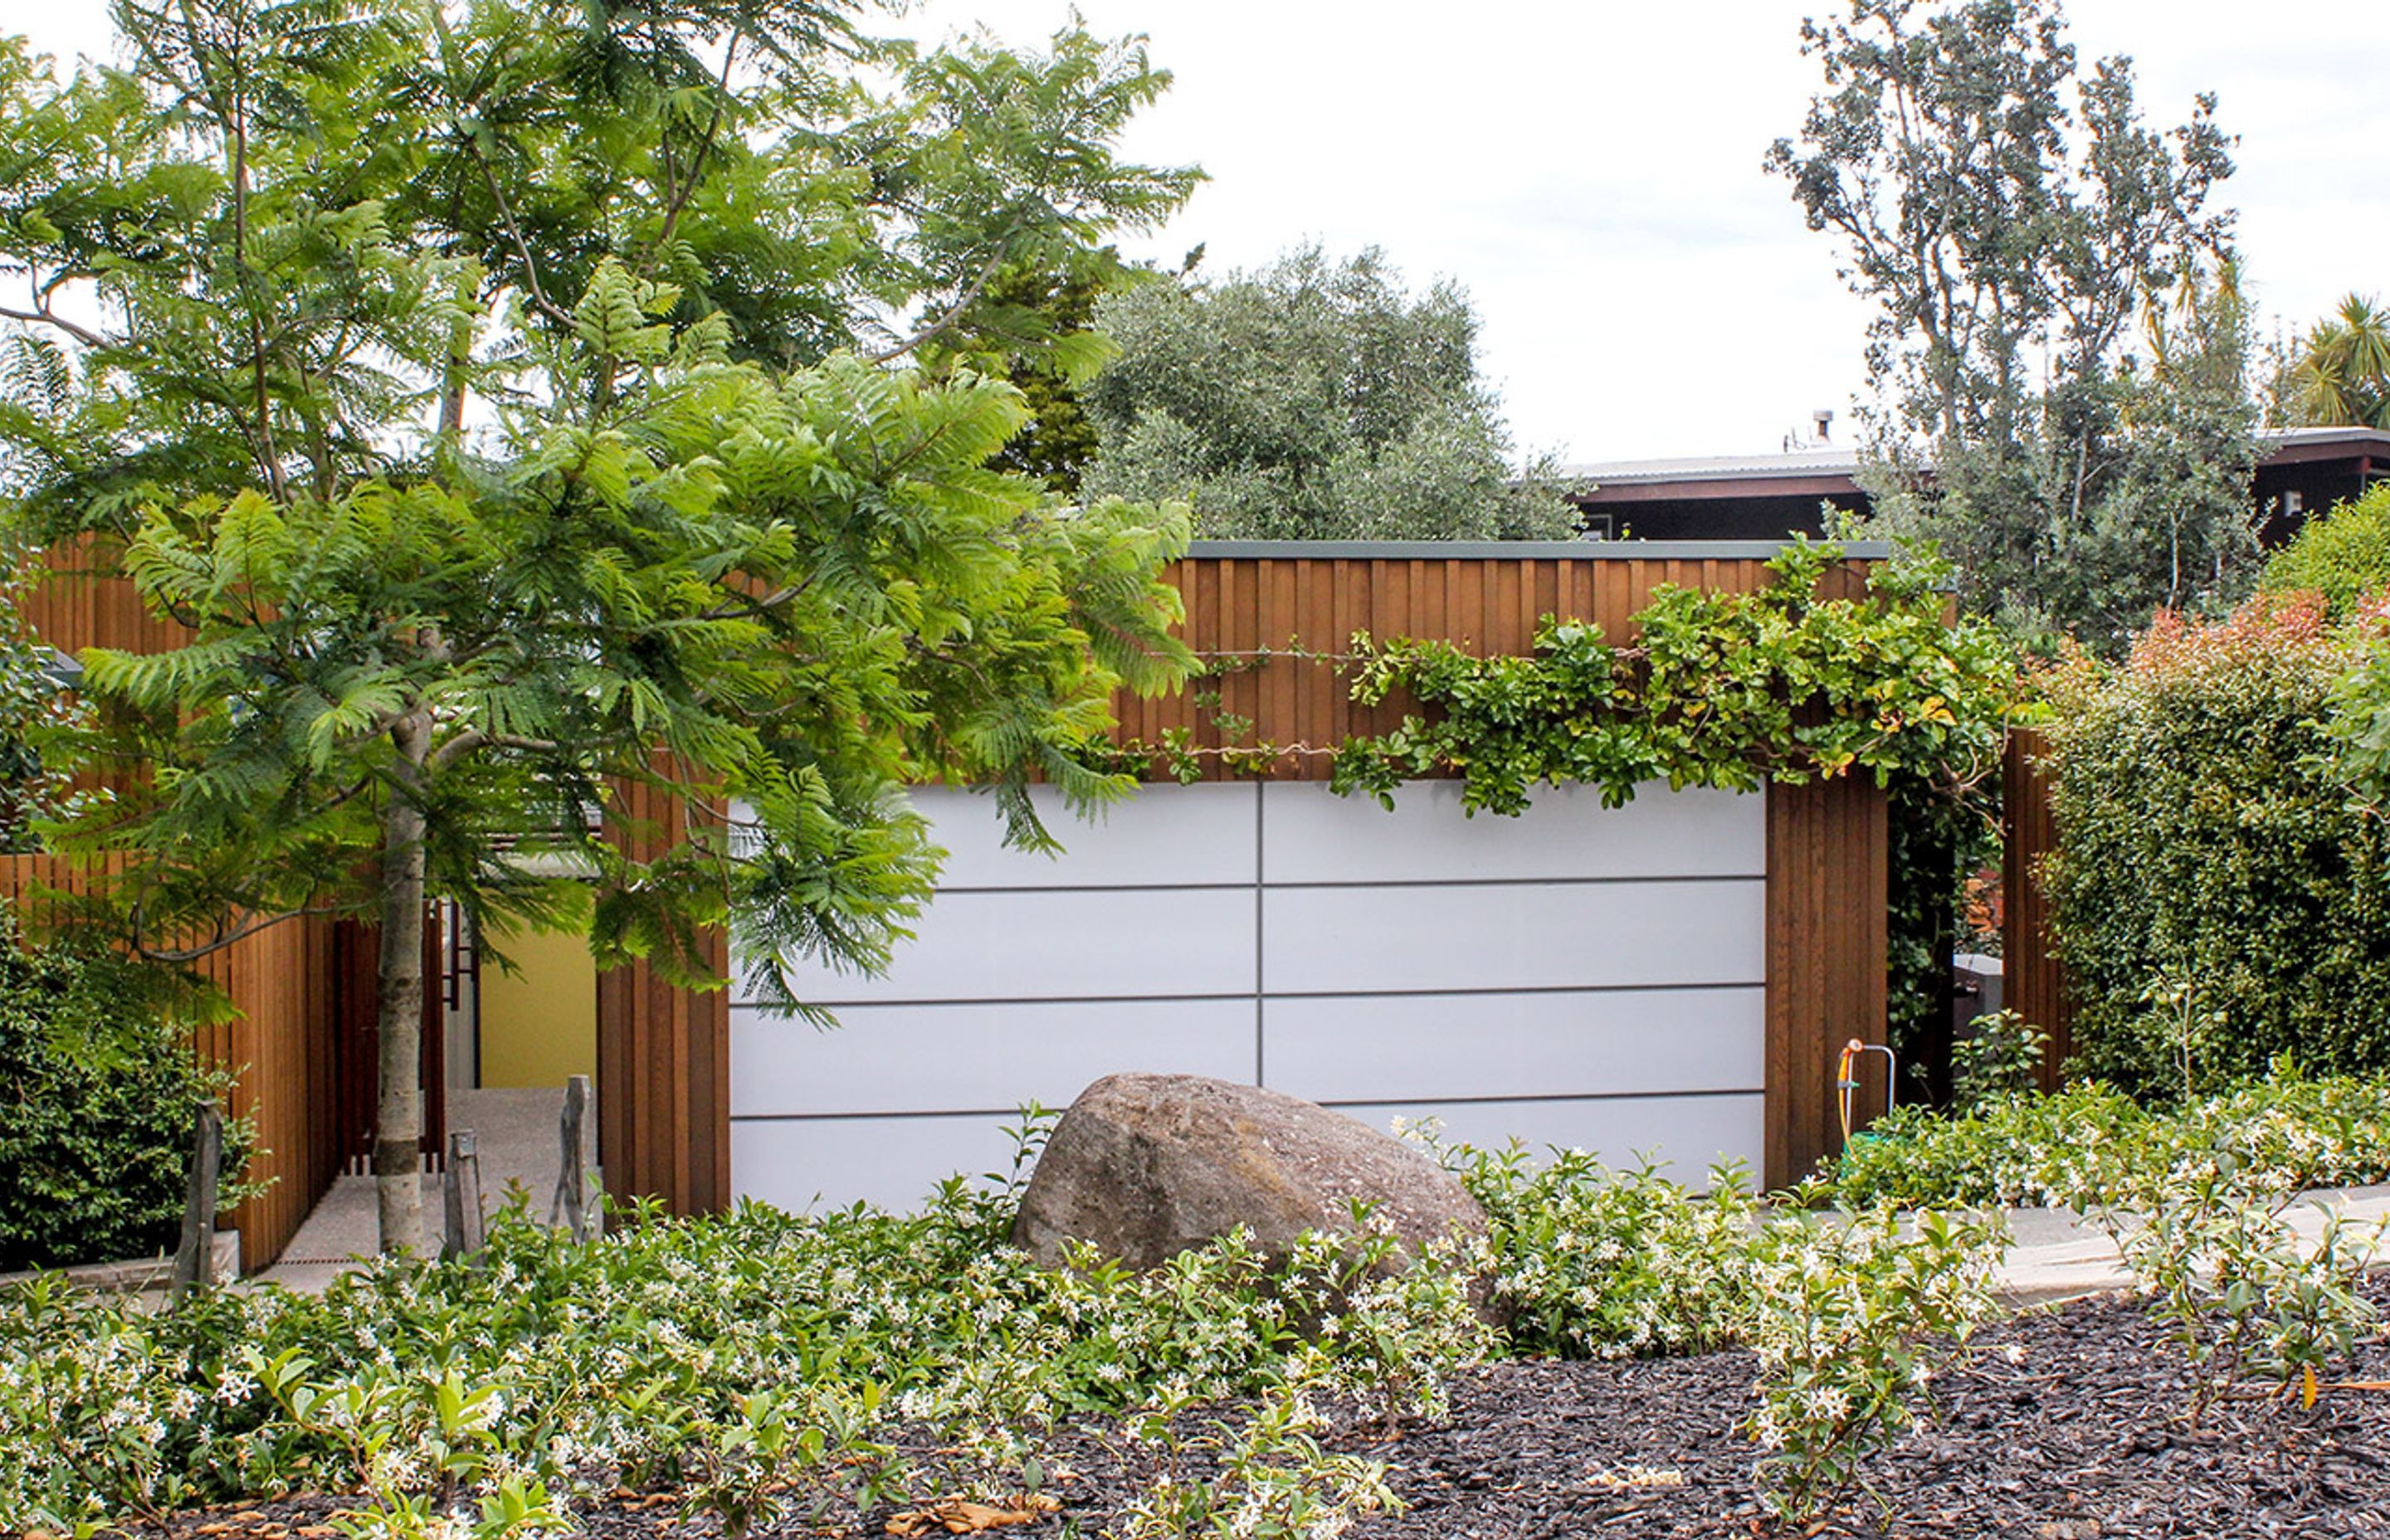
x: 2058, y: 1256
x: 515, y: 1131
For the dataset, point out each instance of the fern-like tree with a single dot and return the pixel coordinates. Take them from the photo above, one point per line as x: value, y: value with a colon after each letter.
x: 511, y: 402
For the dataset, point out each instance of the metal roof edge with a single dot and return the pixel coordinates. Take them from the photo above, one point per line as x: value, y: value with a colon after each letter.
x: 1516, y: 551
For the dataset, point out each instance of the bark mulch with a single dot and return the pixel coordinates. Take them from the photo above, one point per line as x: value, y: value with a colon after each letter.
x: 2083, y: 1438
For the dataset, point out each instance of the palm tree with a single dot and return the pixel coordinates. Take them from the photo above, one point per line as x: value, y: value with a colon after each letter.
x: 2341, y: 377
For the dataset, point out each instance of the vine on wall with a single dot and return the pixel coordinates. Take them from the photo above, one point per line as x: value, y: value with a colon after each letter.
x: 1725, y: 689
x: 1729, y: 690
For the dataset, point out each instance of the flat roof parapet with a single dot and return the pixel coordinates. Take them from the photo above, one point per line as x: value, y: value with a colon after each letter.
x: 1514, y: 550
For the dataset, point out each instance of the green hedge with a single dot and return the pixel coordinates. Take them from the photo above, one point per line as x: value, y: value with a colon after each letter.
x: 98, y: 1090
x: 2212, y: 884
x: 2343, y: 554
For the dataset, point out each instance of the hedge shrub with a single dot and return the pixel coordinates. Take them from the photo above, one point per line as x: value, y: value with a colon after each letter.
x: 2214, y: 887
x: 97, y: 1089
x: 2343, y: 554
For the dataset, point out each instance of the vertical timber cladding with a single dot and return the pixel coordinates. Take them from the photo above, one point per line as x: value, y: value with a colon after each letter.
x: 281, y: 1047
x: 663, y: 1070
x: 1329, y: 984
x: 2036, y: 983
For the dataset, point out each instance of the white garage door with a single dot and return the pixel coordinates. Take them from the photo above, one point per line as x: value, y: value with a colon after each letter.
x: 1579, y: 976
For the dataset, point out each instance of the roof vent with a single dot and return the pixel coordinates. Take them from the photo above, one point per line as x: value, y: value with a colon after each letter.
x: 1824, y: 418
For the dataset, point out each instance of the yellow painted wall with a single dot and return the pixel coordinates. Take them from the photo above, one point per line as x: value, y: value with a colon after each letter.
x: 539, y: 1024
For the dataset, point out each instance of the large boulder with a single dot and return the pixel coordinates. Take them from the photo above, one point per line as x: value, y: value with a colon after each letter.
x: 1143, y: 1167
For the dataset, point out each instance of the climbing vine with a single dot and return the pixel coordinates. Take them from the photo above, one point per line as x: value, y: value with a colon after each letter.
x: 1731, y: 690
x: 1726, y: 690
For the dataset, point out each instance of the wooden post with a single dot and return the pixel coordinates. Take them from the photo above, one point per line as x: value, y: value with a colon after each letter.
x: 195, y: 1259
x: 461, y: 1185
x: 570, y: 1204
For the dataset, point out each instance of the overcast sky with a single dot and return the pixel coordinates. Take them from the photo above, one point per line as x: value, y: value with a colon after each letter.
x: 1590, y: 172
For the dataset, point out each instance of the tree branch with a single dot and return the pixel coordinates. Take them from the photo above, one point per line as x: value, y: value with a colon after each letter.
x: 970, y: 295
x: 46, y: 316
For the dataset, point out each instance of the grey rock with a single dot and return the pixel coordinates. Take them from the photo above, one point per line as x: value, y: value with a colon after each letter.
x: 1143, y: 1167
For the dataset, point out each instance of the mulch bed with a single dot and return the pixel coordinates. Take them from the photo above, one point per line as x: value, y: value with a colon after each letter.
x: 2082, y: 1439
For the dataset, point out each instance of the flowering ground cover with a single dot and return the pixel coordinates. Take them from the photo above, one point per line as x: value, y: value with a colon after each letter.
x: 1672, y: 1362
x: 2065, y: 1426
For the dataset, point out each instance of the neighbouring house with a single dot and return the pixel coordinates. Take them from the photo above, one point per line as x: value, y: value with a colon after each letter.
x: 1770, y: 496
x: 1673, y: 976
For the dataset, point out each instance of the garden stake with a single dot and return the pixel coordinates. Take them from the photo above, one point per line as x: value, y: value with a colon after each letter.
x: 195, y: 1259
x: 462, y: 1188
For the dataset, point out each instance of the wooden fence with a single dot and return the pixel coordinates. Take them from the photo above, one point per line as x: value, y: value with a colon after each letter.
x: 663, y: 1056
x: 301, y: 1046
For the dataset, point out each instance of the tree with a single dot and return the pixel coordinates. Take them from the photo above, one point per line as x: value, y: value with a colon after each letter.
x: 478, y: 383
x: 1310, y: 401
x: 2339, y: 374
x: 2019, y: 231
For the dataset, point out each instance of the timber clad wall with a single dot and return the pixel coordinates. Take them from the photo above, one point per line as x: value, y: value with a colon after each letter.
x: 1244, y: 596
x: 664, y: 1058
x: 2034, y: 985
x: 284, y: 1047
x: 1828, y: 866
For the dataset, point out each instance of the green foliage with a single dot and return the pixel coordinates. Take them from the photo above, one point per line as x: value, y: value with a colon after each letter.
x: 1602, y: 1264
x: 1001, y: 335
x: 96, y: 1117
x: 2022, y: 236
x: 1939, y: 838
x: 34, y: 713
x: 2089, y: 1146
x: 756, y: 1359
x: 2343, y: 554
x: 2337, y: 374
x: 2000, y: 1058
x: 2212, y: 876
x: 2244, y: 1294
x: 1729, y: 690
x: 1853, y: 1319
x: 1310, y: 401
x: 1273, y: 1481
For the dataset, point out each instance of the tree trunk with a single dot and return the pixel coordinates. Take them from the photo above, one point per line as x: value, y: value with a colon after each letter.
x: 398, y: 1118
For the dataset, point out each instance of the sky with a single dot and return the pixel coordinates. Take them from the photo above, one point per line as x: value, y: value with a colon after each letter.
x: 1590, y: 172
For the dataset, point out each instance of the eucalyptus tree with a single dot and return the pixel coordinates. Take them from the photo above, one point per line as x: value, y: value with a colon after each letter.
x: 2012, y: 220
x: 511, y: 401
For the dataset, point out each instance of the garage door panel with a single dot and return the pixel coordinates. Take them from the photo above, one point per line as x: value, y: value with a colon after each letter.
x: 1687, y: 1133
x: 962, y: 1058
x: 1121, y: 943
x: 1387, y: 1048
x: 895, y: 1163
x: 1512, y: 936
x: 1310, y: 834
x: 1190, y: 835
